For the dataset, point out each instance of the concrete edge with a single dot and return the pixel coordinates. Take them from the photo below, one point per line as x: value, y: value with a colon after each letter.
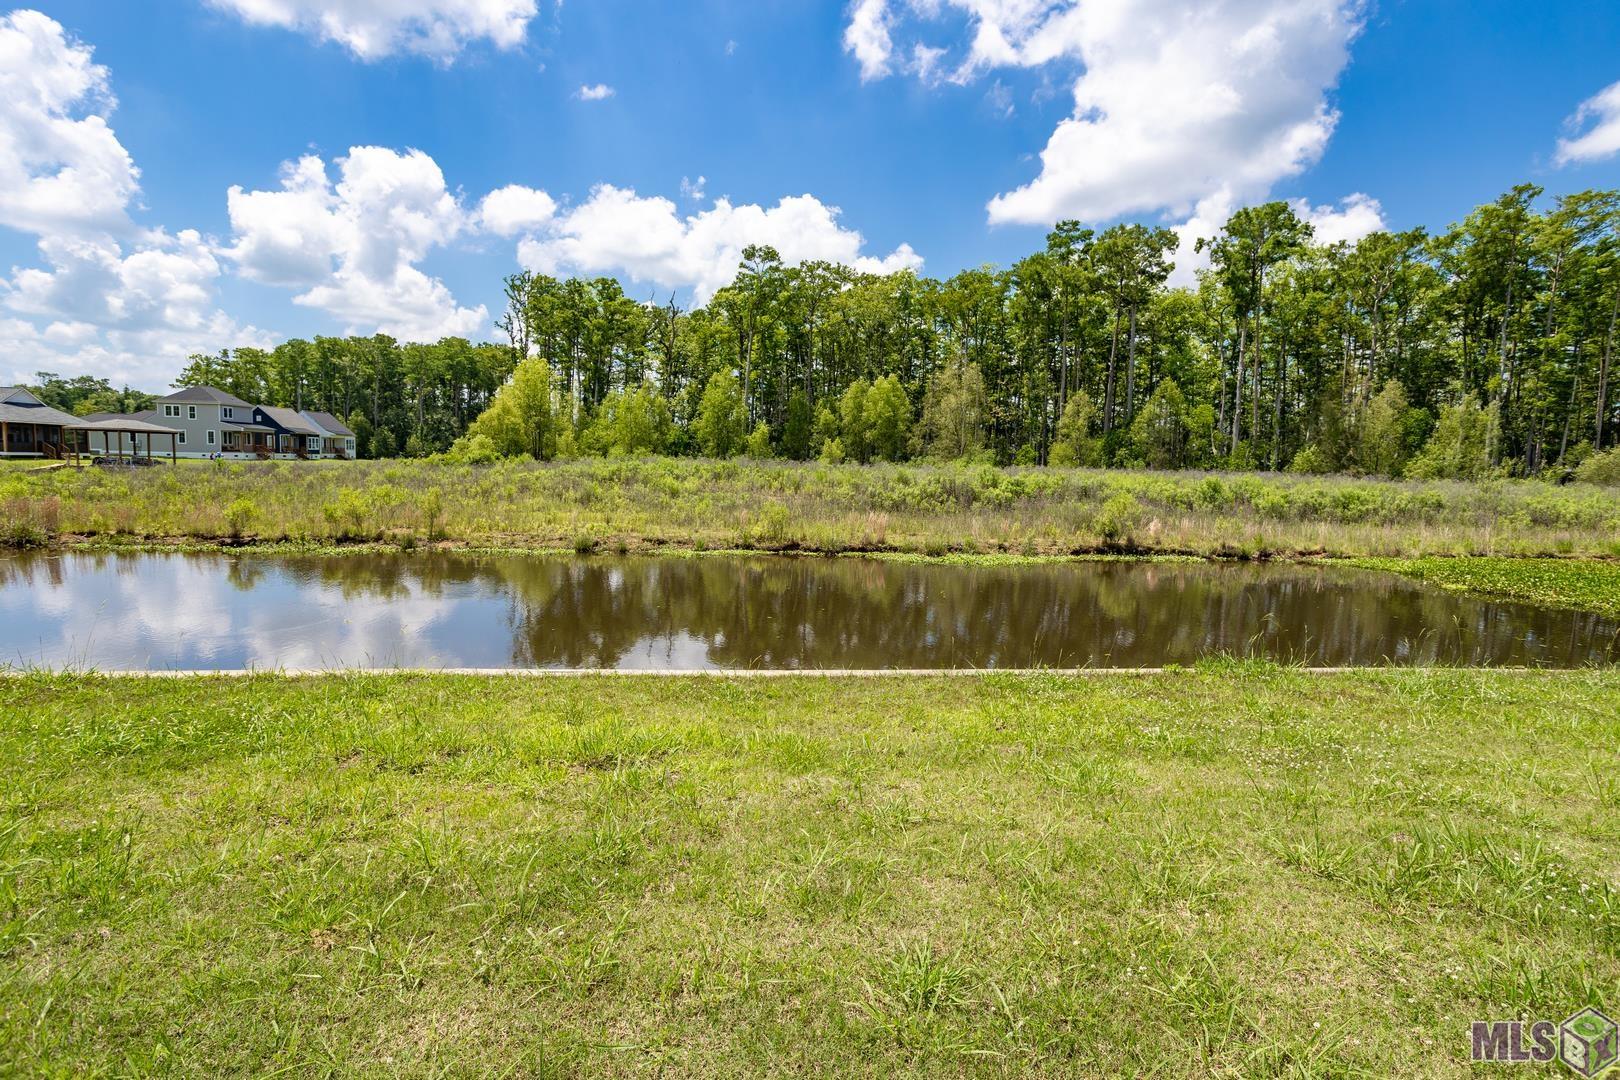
x: 732, y: 673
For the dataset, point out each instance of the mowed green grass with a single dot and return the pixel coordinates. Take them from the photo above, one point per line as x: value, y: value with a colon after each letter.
x: 1239, y: 870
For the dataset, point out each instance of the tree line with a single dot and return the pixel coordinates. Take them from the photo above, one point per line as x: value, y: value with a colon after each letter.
x: 1484, y: 348
x: 82, y: 395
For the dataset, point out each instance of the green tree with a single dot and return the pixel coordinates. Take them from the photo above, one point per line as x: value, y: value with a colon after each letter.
x: 630, y: 423
x: 1385, y: 422
x: 1159, y: 433
x: 1463, y: 446
x: 722, y: 420
x: 854, y: 427
x: 1074, y: 444
x: 799, y: 429
x: 888, y: 419
x: 1254, y: 239
x: 952, y: 424
x: 758, y: 443
x: 521, y: 421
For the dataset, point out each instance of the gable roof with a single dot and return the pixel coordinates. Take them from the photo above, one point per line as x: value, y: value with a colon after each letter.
x: 19, y: 395
x: 331, y: 424
x: 19, y: 406
x: 288, y: 421
x: 206, y: 395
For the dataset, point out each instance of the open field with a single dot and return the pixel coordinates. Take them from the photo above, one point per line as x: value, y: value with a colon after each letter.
x: 1240, y: 870
x: 781, y: 505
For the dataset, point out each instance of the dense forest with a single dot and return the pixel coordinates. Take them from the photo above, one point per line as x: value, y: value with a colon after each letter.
x: 1485, y: 348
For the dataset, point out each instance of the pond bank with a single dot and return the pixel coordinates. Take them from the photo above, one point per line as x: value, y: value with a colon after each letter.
x: 929, y: 510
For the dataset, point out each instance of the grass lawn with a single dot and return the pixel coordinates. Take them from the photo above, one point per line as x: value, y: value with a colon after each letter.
x: 1239, y: 870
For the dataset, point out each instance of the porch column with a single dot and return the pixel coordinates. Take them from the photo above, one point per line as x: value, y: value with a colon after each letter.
x: 173, y: 458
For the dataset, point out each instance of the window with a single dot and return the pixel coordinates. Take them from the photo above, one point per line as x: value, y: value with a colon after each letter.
x: 314, y: 442
x: 182, y: 438
x: 227, y: 413
x: 191, y: 412
x: 171, y: 410
x: 210, y: 436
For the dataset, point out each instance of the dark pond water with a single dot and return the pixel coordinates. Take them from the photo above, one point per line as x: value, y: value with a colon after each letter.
x: 432, y: 610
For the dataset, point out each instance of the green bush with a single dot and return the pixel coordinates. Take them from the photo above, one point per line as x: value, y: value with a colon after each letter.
x: 1601, y: 468
x: 1118, y: 518
x: 239, y: 515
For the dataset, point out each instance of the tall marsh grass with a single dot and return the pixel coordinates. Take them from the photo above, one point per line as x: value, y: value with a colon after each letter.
x: 816, y: 507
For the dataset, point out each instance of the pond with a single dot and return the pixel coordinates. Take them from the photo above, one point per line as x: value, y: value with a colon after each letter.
x: 435, y: 610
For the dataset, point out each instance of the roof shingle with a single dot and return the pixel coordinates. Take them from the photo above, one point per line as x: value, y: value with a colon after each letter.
x: 206, y: 395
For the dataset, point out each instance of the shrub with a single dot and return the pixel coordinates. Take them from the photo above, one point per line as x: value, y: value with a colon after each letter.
x: 26, y: 523
x: 1074, y: 444
x: 346, y: 516
x: 758, y: 444
x: 239, y: 515
x: 1601, y: 468
x: 887, y: 419
x: 1159, y: 433
x: 473, y: 450
x: 1118, y: 518
x: 431, y: 506
x: 1463, y: 444
x: 722, y: 420
x: 1311, y: 459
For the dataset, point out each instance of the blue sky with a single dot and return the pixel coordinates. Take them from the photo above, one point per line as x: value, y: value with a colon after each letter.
x: 901, y: 133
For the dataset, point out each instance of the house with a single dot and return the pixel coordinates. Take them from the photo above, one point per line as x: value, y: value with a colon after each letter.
x: 31, y: 428
x: 208, y: 421
x: 289, y: 431
x: 336, y: 439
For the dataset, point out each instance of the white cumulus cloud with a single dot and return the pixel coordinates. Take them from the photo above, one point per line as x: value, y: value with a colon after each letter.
x: 372, y: 29
x: 1594, y: 129
x: 1354, y: 217
x: 1184, y: 110
x: 867, y: 38
x: 514, y: 208
x: 649, y: 240
x: 107, y: 298
x: 599, y: 92
x: 61, y: 166
x: 1177, y: 102
x: 127, y: 313
x: 354, y: 246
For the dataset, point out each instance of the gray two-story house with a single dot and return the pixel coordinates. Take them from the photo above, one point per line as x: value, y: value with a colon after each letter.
x: 211, y: 422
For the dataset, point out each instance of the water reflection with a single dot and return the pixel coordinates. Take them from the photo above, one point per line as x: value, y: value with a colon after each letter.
x: 215, y: 611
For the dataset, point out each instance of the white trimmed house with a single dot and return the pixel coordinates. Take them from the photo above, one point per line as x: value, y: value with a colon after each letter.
x: 211, y: 422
